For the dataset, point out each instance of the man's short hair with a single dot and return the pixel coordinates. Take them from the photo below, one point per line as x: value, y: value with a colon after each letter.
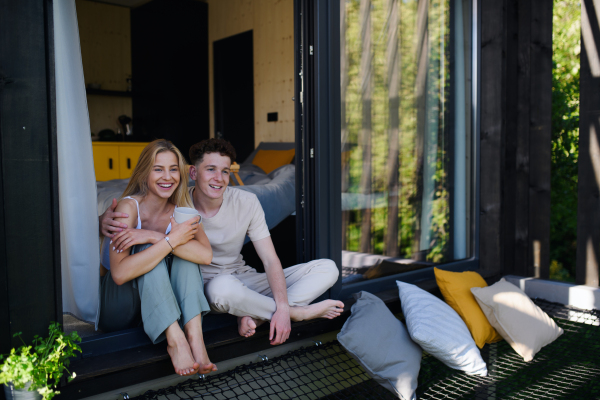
x: 211, y: 145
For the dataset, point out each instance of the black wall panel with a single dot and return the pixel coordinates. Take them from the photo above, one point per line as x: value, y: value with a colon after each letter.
x: 233, y: 66
x: 29, y: 242
x: 169, y: 56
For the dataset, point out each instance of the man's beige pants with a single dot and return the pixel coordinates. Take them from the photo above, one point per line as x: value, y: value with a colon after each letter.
x: 249, y: 294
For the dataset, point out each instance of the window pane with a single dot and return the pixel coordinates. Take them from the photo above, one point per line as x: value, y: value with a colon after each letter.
x: 406, y: 134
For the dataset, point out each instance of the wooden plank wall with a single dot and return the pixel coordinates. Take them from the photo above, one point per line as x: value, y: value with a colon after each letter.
x: 588, y: 210
x: 105, y: 37
x: 29, y: 222
x: 272, y: 22
x: 106, y: 53
x: 540, y: 137
x: 492, y: 129
x: 516, y: 95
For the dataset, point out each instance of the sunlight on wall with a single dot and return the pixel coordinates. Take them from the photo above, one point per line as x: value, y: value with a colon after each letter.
x: 588, y: 38
x: 591, y: 264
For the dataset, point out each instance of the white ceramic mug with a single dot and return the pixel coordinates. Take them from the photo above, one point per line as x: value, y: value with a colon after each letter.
x: 182, y: 214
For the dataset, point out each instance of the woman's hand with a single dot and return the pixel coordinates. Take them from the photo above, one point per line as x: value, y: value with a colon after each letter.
x: 131, y: 237
x: 184, y: 232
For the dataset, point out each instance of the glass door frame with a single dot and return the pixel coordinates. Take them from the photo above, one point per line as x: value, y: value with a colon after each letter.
x: 318, y: 145
x: 318, y: 148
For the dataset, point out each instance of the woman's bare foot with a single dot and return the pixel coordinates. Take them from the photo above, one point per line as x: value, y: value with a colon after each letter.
x: 179, y: 350
x: 325, y: 309
x: 201, y: 356
x: 246, y: 326
x: 193, y: 334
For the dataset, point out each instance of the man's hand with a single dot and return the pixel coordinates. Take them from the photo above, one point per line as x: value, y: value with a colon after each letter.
x: 108, y: 226
x: 281, y: 326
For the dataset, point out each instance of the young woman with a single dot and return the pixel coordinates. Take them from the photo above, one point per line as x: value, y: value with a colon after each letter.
x: 154, y: 276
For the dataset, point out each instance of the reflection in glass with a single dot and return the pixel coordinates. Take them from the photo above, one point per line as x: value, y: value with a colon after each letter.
x: 406, y: 134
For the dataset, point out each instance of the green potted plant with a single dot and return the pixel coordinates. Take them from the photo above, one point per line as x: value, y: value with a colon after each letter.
x: 33, y: 372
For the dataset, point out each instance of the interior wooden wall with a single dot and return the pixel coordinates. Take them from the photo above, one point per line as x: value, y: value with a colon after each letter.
x: 272, y: 22
x: 105, y: 36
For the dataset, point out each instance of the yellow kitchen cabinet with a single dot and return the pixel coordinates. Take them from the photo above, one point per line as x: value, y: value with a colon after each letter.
x: 115, y: 160
x: 128, y: 158
x: 106, y: 161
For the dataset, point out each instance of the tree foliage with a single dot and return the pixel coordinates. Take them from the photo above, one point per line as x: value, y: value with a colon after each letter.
x: 566, y: 46
x: 42, y: 364
x: 425, y: 34
x: 424, y: 76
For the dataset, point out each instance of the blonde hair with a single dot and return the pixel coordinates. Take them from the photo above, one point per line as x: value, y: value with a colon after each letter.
x: 138, y: 184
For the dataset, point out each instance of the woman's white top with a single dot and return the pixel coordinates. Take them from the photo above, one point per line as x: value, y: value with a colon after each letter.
x: 105, y: 254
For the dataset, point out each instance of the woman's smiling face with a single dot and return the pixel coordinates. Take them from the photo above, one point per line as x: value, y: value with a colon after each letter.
x: 164, y: 176
x: 212, y: 175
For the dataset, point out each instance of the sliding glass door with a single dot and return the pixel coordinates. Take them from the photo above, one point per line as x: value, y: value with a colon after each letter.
x: 407, y: 135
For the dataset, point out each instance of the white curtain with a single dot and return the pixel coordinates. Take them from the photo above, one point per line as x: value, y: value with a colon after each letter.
x: 77, y: 183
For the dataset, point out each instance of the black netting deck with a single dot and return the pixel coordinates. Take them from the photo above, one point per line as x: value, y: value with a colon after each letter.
x: 569, y: 368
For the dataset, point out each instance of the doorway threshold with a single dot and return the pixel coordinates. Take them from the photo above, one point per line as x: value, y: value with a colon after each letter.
x: 109, y: 373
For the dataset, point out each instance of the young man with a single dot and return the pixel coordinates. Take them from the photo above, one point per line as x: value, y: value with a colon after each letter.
x: 278, y: 295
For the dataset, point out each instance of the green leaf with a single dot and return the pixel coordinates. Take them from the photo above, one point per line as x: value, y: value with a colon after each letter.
x: 45, y: 365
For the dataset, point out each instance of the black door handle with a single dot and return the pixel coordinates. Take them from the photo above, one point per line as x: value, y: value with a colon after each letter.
x: 110, y: 163
x: 129, y: 163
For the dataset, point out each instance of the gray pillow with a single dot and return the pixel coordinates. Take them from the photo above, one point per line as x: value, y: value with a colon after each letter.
x: 381, y: 344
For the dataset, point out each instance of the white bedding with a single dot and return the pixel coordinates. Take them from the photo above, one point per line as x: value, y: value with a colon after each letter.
x: 275, y: 191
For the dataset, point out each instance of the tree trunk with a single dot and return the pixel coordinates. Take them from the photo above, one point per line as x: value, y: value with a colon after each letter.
x: 366, y: 94
x: 344, y: 122
x: 393, y: 164
x: 421, y: 89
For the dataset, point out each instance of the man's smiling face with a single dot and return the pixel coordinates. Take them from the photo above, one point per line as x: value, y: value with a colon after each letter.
x: 212, y: 175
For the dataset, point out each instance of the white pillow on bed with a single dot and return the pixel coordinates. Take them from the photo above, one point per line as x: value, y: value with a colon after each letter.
x: 109, y: 190
x: 253, y: 175
x: 284, y: 172
x: 438, y: 329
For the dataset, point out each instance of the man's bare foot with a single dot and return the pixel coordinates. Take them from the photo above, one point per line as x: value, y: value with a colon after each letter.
x: 181, y: 355
x: 325, y: 309
x: 247, y: 326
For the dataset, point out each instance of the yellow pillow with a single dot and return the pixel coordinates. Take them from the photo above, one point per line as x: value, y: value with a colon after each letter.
x: 456, y: 289
x: 270, y: 160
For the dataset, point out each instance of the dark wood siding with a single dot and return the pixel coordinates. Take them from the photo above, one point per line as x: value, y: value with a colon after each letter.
x: 493, y: 79
x: 540, y: 138
x: 30, y: 266
x: 588, y: 209
x: 516, y: 99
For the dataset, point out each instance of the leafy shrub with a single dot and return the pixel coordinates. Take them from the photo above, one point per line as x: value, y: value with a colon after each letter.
x: 43, y: 363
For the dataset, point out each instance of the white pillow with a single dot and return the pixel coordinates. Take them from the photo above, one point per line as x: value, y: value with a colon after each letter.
x: 386, y: 352
x: 438, y: 329
x: 516, y: 318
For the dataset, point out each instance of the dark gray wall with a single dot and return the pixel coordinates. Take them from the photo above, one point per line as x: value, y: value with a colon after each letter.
x: 588, y: 210
x: 30, y: 294
x: 516, y: 99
